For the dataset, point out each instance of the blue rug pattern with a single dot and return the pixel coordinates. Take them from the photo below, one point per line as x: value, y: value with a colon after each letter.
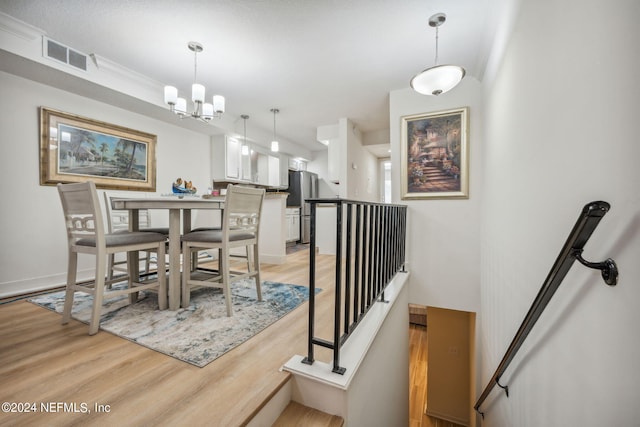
x: 198, y: 334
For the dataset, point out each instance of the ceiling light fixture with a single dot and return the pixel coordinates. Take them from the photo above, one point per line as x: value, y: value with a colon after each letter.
x: 202, y: 111
x: 245, y: 147
x: 439, y: 78
x: 274, y: 144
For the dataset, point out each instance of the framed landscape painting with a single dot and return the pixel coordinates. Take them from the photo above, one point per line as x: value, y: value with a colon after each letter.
x: 434, y: 151
x: 78, y: 149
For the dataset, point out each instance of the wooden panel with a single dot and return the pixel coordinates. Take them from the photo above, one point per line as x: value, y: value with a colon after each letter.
x: 449, y: 364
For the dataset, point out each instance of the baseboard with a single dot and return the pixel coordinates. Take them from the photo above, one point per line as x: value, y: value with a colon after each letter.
x: 36, y: 284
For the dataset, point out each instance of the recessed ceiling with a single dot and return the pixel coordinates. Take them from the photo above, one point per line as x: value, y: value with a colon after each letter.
x: 317, y: 61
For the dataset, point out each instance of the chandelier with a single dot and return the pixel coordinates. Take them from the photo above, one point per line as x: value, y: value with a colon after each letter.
x: 203, y: 111
x: 439, y: 78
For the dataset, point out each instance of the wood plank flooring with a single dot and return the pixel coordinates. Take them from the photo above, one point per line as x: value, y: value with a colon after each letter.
x: 106, y: 380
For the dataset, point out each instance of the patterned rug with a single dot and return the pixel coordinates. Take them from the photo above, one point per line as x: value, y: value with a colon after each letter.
x: 198, y: 334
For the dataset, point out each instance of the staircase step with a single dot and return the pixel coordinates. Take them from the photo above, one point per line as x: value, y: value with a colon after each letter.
x: 296, y: 415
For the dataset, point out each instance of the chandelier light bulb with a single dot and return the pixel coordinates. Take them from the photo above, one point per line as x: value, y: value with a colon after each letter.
x: 197, y: 93
x: 218, y: 104
x: 181, y: 106
x: 207, y: 111
x: 170, y: 95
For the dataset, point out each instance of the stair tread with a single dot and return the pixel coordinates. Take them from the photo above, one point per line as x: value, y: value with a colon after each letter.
x: 296, y: 414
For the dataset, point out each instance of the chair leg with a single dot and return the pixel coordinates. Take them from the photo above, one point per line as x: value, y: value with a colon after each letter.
x: 147, y: 262
x: 250, y: 260
x: 110, y: 262
x: 133, y: 296
x: 94, y: 323
x: 256, y: 266
x: 71, y: 281
x: 161, y: 277
x: 186, y: 275
x: 226, y: 277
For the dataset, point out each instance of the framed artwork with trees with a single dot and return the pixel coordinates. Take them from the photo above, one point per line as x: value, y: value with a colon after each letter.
x: 77, y: 149
x: 434, y: 149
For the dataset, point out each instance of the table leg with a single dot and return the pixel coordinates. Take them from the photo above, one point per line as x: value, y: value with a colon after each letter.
x: 174, y: 259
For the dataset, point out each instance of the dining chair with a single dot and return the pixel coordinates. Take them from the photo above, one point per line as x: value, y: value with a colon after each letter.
x: 86, y: 235
x: 117, y: 222
x: 240, y: 228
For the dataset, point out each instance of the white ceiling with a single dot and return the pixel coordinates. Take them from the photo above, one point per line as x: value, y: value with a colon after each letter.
x: 315, y: 60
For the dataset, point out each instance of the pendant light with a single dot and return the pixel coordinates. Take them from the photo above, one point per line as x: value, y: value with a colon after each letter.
x: 245, y: 147
x: 274, y: 144
x: 439, y: 78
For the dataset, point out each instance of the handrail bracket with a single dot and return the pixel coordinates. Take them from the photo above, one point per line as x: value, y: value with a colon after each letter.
x: 504, y: 387
x: 608, y: 267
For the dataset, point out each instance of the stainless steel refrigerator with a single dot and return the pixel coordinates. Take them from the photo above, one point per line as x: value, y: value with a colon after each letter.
x: 303, y: 185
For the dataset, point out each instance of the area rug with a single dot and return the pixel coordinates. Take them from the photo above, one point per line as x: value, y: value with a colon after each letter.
x: 198, y: 334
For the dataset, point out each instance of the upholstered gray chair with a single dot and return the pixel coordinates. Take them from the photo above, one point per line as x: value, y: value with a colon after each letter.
x: 240, y: 228
x: 117, y: 222
x: 85, y: 234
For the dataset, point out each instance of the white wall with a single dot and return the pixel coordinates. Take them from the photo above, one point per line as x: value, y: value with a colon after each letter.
x: 33, y: 254
x: 358, y: 183
x: 560, y: 132
x: 443, y: 235
x: 361, y: 166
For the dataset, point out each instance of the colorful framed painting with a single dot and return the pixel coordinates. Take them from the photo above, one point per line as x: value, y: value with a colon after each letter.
x: 434, y: 154
x: 77, y: 149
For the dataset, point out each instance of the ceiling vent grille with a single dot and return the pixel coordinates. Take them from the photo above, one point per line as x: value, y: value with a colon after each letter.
x: 61, y: 53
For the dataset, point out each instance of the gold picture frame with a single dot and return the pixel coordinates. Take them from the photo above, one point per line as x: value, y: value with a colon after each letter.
x: 78, y: 149
x: 435, y: 155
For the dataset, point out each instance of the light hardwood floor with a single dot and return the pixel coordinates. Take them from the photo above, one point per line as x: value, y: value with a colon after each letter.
x: 42, y: 361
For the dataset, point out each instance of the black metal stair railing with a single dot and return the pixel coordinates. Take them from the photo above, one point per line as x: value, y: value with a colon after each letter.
x: 588, y: 220
x: 373, y: 238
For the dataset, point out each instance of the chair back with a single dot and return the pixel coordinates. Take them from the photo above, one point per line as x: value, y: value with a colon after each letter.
x: 118, y: 219
x: 242, y: 210
x: 82, y: 214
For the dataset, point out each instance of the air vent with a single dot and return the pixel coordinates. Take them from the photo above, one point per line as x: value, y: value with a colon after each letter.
x: 64, y: 54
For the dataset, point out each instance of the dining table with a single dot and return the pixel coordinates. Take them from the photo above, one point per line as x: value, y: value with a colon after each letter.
x: 179, y: 212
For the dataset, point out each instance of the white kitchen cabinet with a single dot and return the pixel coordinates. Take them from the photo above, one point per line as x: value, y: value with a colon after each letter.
x: 262, y: 175
x: 256, y: 167
x: 245, y: 166
x: 293, y: 224
x: 225, y: 158
x: 268, y: 170
x: 284, y: 171
x: 274, y: 171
